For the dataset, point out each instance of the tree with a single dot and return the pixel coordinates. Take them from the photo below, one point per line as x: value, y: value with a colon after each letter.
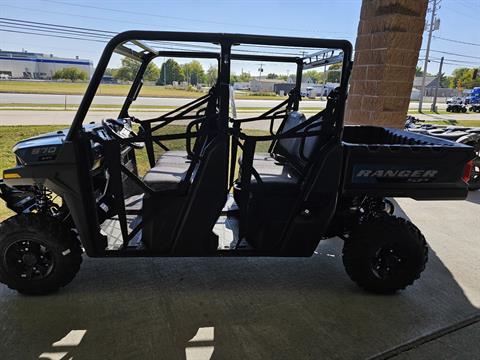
x: 211, y: 76
x: 170, y: 71
x: 418, y: 71
x: 194, y: 72
x: 445, y: 81
x: 243, y: 77
x: 464, y: 76
x: 334, y: 73
x: 152, y: 72
x: 316, y: 76
x: 129, y: 70
x: 109, y: 72
x: 70, y: 73
x: 272, y: 76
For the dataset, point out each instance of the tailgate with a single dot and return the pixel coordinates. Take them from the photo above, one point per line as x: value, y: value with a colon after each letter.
x: 394, y: 163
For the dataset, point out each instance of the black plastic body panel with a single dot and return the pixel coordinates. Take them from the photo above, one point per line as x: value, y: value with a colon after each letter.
x: 388, y: 162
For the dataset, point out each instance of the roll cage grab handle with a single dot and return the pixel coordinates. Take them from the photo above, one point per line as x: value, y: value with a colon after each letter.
x: 226, y: 41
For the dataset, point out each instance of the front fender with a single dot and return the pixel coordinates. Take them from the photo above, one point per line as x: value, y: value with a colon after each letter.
x: 19, y: 201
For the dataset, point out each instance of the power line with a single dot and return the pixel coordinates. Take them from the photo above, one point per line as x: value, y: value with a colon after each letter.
x: 56, y: 36
x: 97, y: 35
x: 185, y: 19
x: 455, y: 54
x: 456, y: 41
x: 63, y: 26
x: 451, y: 62
x: 36, y: 10
x: 49, y: 31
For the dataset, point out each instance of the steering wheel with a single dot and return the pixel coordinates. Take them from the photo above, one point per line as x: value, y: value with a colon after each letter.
x: 121, y: 130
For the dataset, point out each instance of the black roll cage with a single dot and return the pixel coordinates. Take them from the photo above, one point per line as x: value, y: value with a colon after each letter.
x: 219, y: 93
x: 226, y: 42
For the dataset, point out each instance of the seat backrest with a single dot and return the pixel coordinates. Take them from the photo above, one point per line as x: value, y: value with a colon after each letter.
x: 207, y: 194
x: 284, y: 149
x: 297, y: 151
x: 209, y: 125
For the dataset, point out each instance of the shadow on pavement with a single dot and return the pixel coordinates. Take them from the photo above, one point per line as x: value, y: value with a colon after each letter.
x: 225, y: 308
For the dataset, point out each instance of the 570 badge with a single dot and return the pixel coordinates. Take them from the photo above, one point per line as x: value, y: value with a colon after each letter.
x: 45, y: 153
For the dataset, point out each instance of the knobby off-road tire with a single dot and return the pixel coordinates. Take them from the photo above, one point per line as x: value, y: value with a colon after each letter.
x: 38, y: 254
x: 385, y: 254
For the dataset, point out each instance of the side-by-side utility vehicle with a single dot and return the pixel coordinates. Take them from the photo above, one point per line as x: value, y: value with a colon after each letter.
x: 201, y: 181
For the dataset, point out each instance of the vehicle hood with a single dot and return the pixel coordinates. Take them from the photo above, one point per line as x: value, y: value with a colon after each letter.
x: 53, y: 138
x: 44, y: 147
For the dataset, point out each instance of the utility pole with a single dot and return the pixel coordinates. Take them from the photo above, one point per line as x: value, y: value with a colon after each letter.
x: 439, y: 78
x: 164, y: 72
x: 427, y: 53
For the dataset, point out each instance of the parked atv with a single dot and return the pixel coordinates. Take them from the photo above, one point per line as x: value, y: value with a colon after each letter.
x: 80, y: 189
x: 456, y: 108
x: 474, y: 107
x: 460, y: 134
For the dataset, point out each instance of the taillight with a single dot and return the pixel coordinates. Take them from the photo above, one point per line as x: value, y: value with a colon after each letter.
x: 467, y: 171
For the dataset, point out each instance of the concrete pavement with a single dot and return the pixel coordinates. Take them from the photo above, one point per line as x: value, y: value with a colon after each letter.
x: 256, y: 308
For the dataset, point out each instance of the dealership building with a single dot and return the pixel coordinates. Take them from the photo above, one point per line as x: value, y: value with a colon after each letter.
x: 27, y: 65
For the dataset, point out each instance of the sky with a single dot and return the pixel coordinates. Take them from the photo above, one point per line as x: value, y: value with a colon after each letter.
x: 306, y: 18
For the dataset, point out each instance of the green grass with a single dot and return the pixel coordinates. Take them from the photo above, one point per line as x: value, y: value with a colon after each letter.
x: 61, y: 107
x: 468, y: 123
x: 428, y: 112
x: 65, y: 88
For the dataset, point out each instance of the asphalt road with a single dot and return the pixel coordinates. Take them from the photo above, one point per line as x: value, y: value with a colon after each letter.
x: 7, y: 98
x: 60, y: 117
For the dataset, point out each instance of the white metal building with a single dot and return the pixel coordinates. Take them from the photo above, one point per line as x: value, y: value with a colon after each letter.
x: 26, y: 65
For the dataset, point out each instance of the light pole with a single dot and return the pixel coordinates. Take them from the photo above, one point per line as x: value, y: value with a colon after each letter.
x: 439, y: 77
x: 427, y: 53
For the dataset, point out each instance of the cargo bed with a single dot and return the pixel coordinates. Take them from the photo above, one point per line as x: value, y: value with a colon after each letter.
x: 389, y: 162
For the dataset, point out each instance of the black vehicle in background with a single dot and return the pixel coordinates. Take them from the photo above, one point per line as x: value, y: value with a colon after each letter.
x: 460, y: 134
x: 220, y: 195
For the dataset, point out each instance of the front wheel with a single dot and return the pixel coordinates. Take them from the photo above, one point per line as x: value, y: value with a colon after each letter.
x: 38, y: 254
x: 385, y: 254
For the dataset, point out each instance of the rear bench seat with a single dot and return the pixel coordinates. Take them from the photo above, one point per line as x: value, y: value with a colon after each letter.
x: 282, y: 170
x: 282, y: 173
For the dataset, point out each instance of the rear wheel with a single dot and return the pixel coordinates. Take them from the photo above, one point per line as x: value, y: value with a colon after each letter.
x: 38, y: 254
x: 385, y: 254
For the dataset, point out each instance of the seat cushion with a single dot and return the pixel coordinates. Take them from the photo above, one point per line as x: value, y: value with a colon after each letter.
x: 261, y: 160
x: 276, y: 179
x: 165, y: 177
x: 174, y: 158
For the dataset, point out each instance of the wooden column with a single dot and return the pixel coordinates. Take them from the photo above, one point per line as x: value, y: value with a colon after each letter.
x: 386, y: 53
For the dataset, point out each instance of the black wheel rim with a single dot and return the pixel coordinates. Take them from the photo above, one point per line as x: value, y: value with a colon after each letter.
x: 386, y: 262
x: 29, y: 260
